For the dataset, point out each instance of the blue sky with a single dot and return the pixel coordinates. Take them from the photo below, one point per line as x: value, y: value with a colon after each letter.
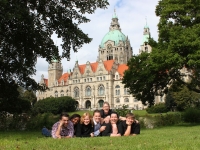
x: 131, y: 15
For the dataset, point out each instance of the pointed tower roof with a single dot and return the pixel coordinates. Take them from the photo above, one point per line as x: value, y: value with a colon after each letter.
x: 114, y: 15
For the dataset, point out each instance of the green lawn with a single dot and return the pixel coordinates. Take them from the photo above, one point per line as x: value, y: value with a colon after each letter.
x: 167, y: 138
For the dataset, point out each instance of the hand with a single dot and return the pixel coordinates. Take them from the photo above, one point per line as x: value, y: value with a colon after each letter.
x: 102, y: 128
x: 107, y: 119
x: 92, y: 134
x: 137, y: 121
x: 61, y: 123
x: 129, y: 123
x: 59, y: 137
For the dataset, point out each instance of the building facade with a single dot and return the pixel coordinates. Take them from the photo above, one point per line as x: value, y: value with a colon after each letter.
x: 91, y: 84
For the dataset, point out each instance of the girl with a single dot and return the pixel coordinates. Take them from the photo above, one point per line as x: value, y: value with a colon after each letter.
x: 85, y: 127
x: 114, y: 127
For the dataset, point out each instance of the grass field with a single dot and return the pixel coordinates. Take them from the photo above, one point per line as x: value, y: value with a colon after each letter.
x: 167, y: 138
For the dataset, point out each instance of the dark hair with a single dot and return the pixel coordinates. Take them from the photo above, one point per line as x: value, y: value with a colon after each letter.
x: 64, y: 114
x: 75, y: 116
x: 96, y: 111
x: 114, y: 113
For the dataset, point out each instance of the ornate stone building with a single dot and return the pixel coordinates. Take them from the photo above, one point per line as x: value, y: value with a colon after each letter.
x: 93, y: 83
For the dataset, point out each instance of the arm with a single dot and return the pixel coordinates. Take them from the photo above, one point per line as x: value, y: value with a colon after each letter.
x: 96, y: 133
x: 58, y: 132
x: 107, y: 119
x: 122, y: 118
x: 128, y: 131
x: 54, y: 129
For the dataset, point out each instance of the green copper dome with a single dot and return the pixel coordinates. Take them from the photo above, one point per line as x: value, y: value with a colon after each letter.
x: 113, y: 35
x: 145, y: 38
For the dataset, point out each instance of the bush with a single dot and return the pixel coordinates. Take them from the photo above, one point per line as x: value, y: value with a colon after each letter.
x: 39, y: 121
x: 13, y: 121
x: 192, y: 115
x: 168, y: 119
x: 123, y: 110
x: 55, y: 105
x: 158, y: 108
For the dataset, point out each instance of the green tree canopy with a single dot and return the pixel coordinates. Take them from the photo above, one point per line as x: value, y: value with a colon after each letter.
x: 30, y: 96
x: 26, y: 28
x: 178, y: 46
x: 184, y: 98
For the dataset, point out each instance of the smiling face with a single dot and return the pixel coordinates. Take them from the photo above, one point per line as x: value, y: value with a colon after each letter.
x: 129, y: 120
x: 106, y: 108
x: 97, y: 117
x: 113, y: 118
x: 75, y: 120
x: 65, y: 121
x: 86, y: 120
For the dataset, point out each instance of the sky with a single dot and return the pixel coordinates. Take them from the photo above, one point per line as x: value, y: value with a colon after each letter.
x: 133, y: 15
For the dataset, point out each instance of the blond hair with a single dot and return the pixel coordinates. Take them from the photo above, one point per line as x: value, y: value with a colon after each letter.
x: 84, y: 115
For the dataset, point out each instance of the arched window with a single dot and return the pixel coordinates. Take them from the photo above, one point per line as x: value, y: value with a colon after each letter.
x: 101, y: 103
x: 77, y: 105
x: 126, y: 100
x: 87, y: 104
x: 101, y: 90
x: 56, y: 93
x: 117, y: 100
x: 117, y: 90
x: 61, y: 93
x: 126, y: 91
x: 76, y: 92
x: 88, y: 91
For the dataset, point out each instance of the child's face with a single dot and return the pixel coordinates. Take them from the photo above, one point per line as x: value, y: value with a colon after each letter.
x: 97, y: 117
x: 86, y: 120
x: 113, y: 118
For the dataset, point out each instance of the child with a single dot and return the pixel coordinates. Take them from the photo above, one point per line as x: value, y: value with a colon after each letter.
x: 85, y: 127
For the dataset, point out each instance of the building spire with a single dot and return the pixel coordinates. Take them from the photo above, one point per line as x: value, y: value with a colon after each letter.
x: 115, y: 24
x: 146, y: 26
x: 114, y: 15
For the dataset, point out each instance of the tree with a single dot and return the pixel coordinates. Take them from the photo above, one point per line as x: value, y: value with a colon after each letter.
x: 178, y: 46
x: 30, y: 96
x: 26, y: 28
x: 184, y: 98
x: 55, y: 105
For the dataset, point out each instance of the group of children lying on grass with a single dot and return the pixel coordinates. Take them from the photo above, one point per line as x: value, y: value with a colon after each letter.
x: 104, y: 122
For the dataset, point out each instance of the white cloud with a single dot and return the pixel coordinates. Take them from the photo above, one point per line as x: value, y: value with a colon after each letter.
x: 131, y: 15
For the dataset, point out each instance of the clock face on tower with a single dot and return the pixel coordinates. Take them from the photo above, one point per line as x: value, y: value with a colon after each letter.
x: 109, y: 46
